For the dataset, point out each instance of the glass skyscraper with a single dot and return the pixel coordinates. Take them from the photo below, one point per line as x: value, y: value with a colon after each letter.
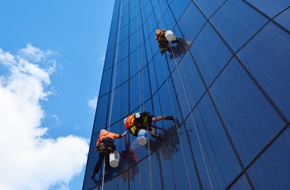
x: 229, y: 92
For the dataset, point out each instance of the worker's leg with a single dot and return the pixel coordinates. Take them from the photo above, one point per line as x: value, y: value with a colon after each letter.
x: 98, y: 164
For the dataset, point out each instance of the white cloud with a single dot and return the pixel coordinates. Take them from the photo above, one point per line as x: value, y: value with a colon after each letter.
x: 33, y: 53
x: 27, y: 159
x: 93, y: 103
x: 103, y: 58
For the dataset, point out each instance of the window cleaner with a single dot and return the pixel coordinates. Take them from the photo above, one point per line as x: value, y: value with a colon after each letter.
x: 163, y: 37
x: 105, y: 146
x: 134, y: 123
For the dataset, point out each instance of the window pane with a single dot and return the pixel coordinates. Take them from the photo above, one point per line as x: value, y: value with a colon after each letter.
x: 109, y: 59
x: 191, y: 29
x: 124, y: 34
x: 101, y: 114
x: 122, y: 51
x: 271, y: 170
x: 210, y: 53
x: 124, y: 20
x: 112, y: 41
x: 176, y: 162
x: 118, y: 107
x: 115, y: 17
x: 249, y: 118
x: 161, y: 68
x: 237, y: 22
x: 135, y: 24
x: 169, y: 103
x: 137, y: 60
x: 152, y: 77
x: 122, y: 72
x: 208, y: 7
x: 178, y: 7
x: 270, y: 7
x: 125, y: 9
x: 188, y: 84
x: 133, y: 3
x: 267, y: 57
x: 106, y: 82
x: 241, y: 184
x: 113, y: 28
x: 139, y: 89
x: 136, y: 39
x: 284, y: 18
x: 216, y: 146
x: 134, y: 11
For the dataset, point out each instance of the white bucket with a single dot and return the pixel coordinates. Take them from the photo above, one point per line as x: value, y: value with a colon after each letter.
x: 142, y: 137
x: 169, y: 35
x: 114, y: 159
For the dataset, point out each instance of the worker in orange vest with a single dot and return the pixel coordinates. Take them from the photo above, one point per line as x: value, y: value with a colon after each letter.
x: 105, y: 145
x: 138, y: 121
x: 164, y: 45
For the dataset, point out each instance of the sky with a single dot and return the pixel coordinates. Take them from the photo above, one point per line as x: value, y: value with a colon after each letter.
x: 51, y: 61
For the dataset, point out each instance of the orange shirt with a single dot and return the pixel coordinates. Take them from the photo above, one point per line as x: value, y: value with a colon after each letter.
x: 106, y: 134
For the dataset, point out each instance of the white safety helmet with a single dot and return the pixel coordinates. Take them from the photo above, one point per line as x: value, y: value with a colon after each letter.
x: 125, y: 120
x: 102, y: 130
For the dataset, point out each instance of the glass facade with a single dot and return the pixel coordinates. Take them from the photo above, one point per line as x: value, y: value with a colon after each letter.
x: 229, y: 90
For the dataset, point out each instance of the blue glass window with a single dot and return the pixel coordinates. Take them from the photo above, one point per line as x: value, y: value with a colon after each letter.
x: 124, y: 20
x: 217, y: 149
x: 178, y: 7
x: 116, y: 8
x: 101, y: 114
x: 284, y: 18
x: 152, y: 77
x: 188, y: 84
x: 118, y: 107
x: 113, y: 28
x: 147, y: 11
x: 267, y: 57
x: 139, y: 89
x: 237, y: 22
x: 133, y: 4
x: 134, y: 11
x: 208, y: 7
x: 135, y: 24
x: 125, y: 9
x: 192, y: 28
x: 122, y: 72
x: 241, y: 184
x: 106, y: 82
x: 248, y: 116
x: 176, y: 162
x: 136, y: 39
x: 112, y: 41
x: 124, y: 34
x: 271, y: 170
x: 122, y: 51
x: 168, y: 102
x: 137, y: 60
x: 150, y: 24
x: 210, y: 53
x: 270, y: 7
x: 148, y: 49
x: 161, y: 68
x: 109, y: 59
x: 115, y: 17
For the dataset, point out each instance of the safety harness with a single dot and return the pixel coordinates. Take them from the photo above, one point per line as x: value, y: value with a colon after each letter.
x: 105, y: 147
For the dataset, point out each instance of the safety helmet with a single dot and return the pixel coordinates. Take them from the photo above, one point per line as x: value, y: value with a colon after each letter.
x: 102, y: 130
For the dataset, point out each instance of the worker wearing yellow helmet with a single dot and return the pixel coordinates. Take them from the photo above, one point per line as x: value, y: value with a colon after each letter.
x: 164, y: 45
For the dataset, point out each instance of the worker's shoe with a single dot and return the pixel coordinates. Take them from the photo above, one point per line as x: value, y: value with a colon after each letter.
x: 93, y: 175
x: 156, y: 137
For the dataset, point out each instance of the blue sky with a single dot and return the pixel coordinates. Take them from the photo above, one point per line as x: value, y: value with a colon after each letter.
x: 51, y: 61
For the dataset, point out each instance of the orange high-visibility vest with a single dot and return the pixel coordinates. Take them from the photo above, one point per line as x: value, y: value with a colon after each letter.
x: 130, y: 121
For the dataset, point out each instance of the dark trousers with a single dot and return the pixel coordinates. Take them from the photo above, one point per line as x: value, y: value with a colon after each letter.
x: 98, y: 164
